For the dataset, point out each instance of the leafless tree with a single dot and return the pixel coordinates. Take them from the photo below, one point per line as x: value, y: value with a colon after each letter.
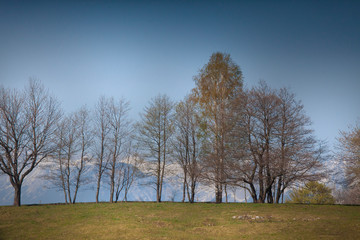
x: 298, y: 154
x: 186, y: 145
x: 83, y: 122
x: 275, y: 147
x: 154, y: 132
x: 120, y: 130
x: 27, y: 124
x: 56, y: 164
x: 128, y: 172
x: 101, y: 140
x: 69, y: 165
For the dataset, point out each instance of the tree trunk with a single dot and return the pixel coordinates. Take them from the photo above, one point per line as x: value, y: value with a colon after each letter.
x: 100, y: 172
x: 98, y: 186
x: 78, y: 178
x: 262, y: 192
x: 218, y: 193
x: 112, y: 185
x: 17, y: 195
x: 269, y: 194
x: 278, y: 191
x: 192, y: 194
x: 226, y: 195
x: 184, y: 185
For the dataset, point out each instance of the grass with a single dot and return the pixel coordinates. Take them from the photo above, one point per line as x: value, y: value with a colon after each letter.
x: 180, y: 221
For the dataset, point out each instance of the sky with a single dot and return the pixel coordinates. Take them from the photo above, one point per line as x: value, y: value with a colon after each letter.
x: 81, y: 50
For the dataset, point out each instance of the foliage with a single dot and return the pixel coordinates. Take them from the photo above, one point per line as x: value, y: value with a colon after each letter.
x: 349, y: 143
x: 219, y: 82
x: 312, y: 193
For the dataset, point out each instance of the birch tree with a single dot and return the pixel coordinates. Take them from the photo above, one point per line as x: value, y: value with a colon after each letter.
x: 217, y: 84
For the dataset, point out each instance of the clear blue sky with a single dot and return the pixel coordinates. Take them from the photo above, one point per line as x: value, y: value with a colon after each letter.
x: 83, y: 49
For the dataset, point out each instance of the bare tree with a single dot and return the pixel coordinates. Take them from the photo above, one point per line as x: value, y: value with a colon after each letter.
x: 154, y: 132
x: 275, y: 146
x: 264, y: 113
x: 128, y: 172
x: 83, y: 122
x: 69, y: 165
x: 298, y: 153
x: 101, y: 140
x: 120, y: 130
x: 56, y: 165
x: 186, y: 145
x: 27, y: 125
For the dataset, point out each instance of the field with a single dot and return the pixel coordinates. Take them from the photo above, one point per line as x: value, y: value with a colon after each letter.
x: 180, y: 221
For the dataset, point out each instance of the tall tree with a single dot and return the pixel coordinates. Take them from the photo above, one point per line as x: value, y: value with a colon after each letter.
x: 154, y: 132
x: 56, y: 165
x: 27, y: 125
x: 275, y: 146
x: 217, y: 84
x: 101, y: 140
x: 70, y: 163
x: 186, y: 146
x: 298, y: 154
x: 83, y: 122
x: 120, y: 130
x: 349, y: 153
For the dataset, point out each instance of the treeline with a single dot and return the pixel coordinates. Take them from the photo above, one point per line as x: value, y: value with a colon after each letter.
x: 221, y: 134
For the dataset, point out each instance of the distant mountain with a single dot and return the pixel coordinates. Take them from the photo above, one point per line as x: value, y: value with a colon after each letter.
x: 36, y: 190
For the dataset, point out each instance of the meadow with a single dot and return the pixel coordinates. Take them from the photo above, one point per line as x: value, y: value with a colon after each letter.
x: 148, y: 220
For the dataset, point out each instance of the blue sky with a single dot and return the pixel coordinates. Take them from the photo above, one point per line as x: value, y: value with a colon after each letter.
x: 84, y: 49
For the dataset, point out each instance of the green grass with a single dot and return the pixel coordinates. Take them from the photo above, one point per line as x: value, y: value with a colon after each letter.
x: 179, y: 221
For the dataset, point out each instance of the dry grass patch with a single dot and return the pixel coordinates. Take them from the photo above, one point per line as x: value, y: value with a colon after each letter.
x: 179, y: 221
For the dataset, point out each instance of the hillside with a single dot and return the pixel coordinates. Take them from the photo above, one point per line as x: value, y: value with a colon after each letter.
x: 136, y: 220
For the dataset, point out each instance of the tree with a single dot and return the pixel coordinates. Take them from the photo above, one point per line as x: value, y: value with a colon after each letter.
x: 128, y: 172
x: 69, y: 164
x: 27, y: 125
x: 56, y: 165
x: 264, y: 114
x: 349, y: 146
x: 272, y: 142
x: 83, y: 122
x: 299, y: 154
x: 217, y: 84
x: 120, y: 130
x: 154, y: 132
x: 101, y: 140
x: 312, y: 193
x: 186, y: 145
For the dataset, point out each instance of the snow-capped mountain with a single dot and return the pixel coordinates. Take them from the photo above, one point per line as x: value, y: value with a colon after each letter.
x: 37, y: 190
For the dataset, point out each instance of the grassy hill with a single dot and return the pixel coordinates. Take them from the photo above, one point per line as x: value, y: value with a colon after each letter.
x: 180, y: 221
